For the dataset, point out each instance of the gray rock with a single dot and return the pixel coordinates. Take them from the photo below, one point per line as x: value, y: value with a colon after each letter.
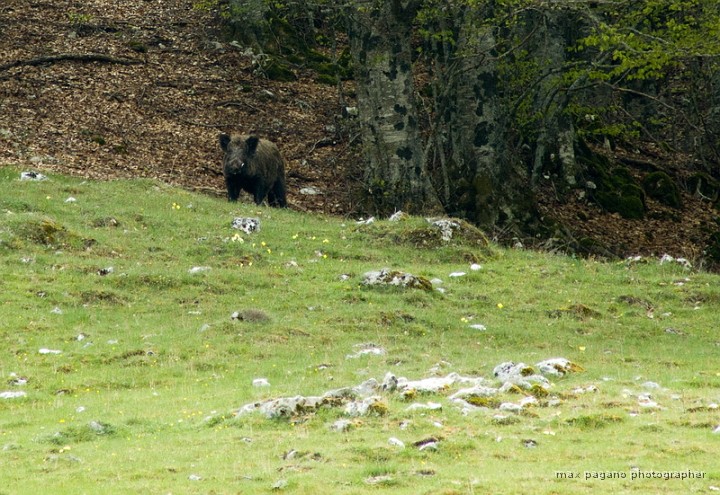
x: 32, y: 176
x: 246, y: 224
x: 387, y: 276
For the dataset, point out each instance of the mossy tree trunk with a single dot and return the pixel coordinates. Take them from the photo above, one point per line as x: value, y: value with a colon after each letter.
x: 395, y: 175
x: 486, y: 181
x: 550, y: 32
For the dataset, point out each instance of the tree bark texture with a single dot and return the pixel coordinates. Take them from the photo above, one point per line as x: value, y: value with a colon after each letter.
x: 395, y: 175
x: 555, y: 140
x: 489, y: 184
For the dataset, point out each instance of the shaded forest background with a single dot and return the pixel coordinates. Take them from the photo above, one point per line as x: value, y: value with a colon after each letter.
x: 609, y: 114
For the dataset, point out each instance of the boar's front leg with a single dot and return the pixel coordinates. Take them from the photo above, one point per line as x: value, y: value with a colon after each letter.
x: 261, y: 191
x: 233, y: 189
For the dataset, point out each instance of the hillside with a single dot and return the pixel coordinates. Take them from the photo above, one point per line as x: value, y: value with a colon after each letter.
x: 149, y: 347
x: 155, y: 105
x: 142, y: 89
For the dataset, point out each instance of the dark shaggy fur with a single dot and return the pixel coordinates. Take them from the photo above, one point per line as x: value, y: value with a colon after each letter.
x: 253, y: 165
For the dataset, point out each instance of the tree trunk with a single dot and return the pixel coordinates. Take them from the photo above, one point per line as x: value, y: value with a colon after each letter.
x: 555, y: 141
x: 395, y: 176
x: 490, y: 183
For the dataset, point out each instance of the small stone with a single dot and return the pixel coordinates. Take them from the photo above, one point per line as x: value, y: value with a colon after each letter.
x: 558, y: 367
x: 32, y: 176
x: 12, y: 395
x: 370, y: 405
x: 390, y: 382
x: 366, y: 221
x: 447, y: 227
x: 367, y: 388
x: 673, y: 331
x: 17, y: 381
x: 430, y: 406
x: 198, y: 269
x: 374, y: 480
x: 511, y: 371
x: 367, y: 350
x: 341, y: 425
x: 430, y: 443
x: 396, y: 442
x: 398, y: 216
x: 382, y: 277
x: 510, y: 407
x: 247, y: 225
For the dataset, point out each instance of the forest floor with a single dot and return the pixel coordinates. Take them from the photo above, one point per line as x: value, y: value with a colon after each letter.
x: 135, y: 88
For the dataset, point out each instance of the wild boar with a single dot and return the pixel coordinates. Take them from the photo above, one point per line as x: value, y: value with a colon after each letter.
x: 254, y: 165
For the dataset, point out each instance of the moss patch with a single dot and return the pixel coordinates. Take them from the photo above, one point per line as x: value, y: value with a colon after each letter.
x: 661, y: 187
x: 616, y: 188
x: 277, y: 70
x: 45, y: 231
x: 704, y: 185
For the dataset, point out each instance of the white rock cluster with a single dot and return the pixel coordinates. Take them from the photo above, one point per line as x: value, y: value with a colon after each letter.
x: 246, y: 224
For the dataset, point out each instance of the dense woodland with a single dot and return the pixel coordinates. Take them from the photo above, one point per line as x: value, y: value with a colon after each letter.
x: 542, y: 122
x: 467, y: 106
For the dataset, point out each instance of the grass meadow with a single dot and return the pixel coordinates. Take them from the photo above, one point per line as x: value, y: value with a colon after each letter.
x: 121, y: 367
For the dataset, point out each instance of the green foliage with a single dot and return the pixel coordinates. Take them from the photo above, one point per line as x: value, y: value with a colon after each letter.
x: 598, y: 122
x: 647, y: 39
x: 206, y: 5
x: 78, y: 19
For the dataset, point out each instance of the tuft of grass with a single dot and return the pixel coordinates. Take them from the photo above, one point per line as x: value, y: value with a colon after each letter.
x: 83, y: 433
x: 594, y: 421
x: 143, y: 366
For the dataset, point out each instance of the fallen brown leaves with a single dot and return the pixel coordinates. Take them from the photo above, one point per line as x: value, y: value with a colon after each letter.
x: 142, y: 89
x: 132, y: 88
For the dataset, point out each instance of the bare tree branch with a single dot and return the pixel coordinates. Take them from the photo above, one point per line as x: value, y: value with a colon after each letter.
x: 76, y: 57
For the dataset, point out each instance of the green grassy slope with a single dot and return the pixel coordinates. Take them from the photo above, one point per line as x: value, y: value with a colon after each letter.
x: 149, y: 365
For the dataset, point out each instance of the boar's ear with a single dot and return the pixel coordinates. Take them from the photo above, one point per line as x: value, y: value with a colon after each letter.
x: 252, y: 143
x: 224, y: 141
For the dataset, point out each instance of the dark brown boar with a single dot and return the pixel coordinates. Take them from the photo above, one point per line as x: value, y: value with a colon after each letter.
x: 253, y: 165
